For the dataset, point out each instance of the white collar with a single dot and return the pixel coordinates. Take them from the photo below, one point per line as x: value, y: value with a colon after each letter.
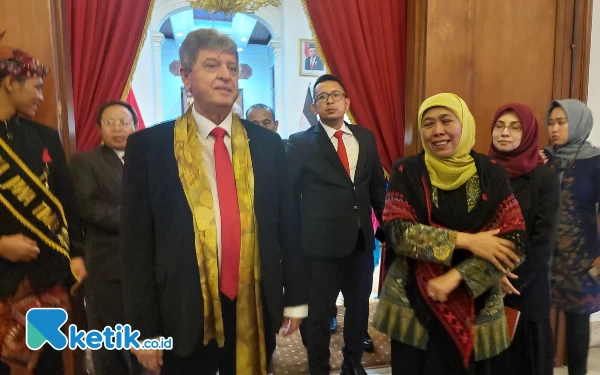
x: 331, y: 131
x: 205, y: 126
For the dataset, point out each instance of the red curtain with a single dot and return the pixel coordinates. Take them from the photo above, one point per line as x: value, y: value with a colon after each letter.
x: 131, y: 100
x: 364, y: 44
x: 104, y: 36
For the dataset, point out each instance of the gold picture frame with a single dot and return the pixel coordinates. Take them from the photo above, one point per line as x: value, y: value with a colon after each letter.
x: 309, y: 62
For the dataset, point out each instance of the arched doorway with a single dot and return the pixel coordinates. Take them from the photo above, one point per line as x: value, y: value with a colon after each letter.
x: 261, y: 53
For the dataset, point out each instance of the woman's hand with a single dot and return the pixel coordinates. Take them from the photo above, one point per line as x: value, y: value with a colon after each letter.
x: 439, y: 289
x: 488, y: 245
x: 506, y: 285
x: 543, y: 155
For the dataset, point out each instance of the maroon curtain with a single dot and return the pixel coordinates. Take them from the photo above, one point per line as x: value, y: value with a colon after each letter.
x: 104, y: 36
x: 364, y: 44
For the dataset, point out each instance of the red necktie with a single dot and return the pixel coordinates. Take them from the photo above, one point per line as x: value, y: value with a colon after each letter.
x: 341, y: 150
x: 312, y: 63
x: 230, y: 216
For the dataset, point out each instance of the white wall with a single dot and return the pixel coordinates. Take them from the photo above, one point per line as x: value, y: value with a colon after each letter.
x: 594, y: 78
x: 257, y: 89
x: 170, y: 84
x: 143, y: 84
x: 295, y: 26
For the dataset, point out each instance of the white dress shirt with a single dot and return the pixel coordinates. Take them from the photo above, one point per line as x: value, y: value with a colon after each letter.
x: 350, y: 142
x: 204, y: 126
x: 120, y: 154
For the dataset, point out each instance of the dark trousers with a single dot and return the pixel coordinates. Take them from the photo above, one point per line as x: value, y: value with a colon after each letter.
x: 353, y: 275
x: 577, y: 342
x: 104, y: 307
x: 270, y: 336
x: 207, y: 360
x: 408, y: 360
x: 50, y: 362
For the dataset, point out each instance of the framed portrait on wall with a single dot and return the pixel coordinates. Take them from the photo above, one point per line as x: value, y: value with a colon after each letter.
x: 186, y: 100
x: 310, y: 63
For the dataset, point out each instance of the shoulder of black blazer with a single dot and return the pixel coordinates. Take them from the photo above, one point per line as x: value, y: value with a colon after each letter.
x: 360, y: 132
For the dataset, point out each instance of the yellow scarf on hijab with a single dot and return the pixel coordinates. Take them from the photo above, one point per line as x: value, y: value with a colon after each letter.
x: 250, y: 344
x: 451, y: 173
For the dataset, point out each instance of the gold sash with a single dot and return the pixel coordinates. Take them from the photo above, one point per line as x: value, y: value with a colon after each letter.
x: 32, y: 203
x: 250, y: 346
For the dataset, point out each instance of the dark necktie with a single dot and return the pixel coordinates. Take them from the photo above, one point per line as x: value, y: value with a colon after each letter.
x: 230, y: 216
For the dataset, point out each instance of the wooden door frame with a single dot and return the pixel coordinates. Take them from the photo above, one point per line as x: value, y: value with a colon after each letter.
x: 416, y: 31
x: 64, y: 83
x: 572, y: 54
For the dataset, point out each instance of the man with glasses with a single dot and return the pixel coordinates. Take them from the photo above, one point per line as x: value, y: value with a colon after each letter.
x: 336, y: 180
x: 97, y: 179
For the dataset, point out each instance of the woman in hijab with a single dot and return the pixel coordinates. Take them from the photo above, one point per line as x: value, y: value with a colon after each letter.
x: 537, y: 189
x: 457, y: 229
x: 575, y: 284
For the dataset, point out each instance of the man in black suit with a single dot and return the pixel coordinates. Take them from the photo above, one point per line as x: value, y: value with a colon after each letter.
x: 337, y: 179
x: 313, y: 61
x: 189, y: 214
x: 97, y: 178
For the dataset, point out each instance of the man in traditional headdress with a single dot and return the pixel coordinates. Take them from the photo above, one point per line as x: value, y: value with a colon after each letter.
x: 209, y: 231
x: 39, y: 224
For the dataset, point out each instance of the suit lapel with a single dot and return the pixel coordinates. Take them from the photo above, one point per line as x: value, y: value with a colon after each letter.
x: 327, y: 148
x: 115, y: 165
x: 260, y: 190
x: 360, y: 163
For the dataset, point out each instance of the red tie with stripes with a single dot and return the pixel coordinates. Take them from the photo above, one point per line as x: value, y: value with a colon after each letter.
x: 341, y: 150
x: 230, y: 216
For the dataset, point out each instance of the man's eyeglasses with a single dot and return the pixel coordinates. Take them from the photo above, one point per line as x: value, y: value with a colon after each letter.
x: 113, y: 123
x: 513, y: 127
x: 324, y: 97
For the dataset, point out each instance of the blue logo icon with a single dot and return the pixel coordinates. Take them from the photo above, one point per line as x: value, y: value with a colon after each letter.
x: 43, y: 326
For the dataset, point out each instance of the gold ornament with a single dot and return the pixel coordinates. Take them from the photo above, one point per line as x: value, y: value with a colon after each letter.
x: 233, y: 6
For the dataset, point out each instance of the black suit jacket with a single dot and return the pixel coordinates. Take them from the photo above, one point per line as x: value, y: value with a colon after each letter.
x: 161, y: 282
x: 538, y: 194
x: 318, y: 64
x: 331, y: 206
x: 97, y: 176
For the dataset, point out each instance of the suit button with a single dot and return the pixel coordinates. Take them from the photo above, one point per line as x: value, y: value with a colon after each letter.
x: 355, y: 208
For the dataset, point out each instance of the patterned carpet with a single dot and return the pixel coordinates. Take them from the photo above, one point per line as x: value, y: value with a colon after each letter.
x: 290, y: 356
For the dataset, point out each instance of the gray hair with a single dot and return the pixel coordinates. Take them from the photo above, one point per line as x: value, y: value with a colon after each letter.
x: 204, y: 39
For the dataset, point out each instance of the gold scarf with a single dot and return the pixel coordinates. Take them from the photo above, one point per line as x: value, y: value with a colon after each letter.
x: 250, y: 346
x: 451, y: 173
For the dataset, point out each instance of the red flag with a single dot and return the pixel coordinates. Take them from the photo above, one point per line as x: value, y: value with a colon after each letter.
x: 131, y: 100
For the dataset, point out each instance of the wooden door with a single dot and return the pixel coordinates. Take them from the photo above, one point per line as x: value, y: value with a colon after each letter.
x: 494, y: 52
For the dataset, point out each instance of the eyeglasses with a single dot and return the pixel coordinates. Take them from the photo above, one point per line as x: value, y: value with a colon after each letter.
x: 513, y: 127
x: 113, y: 124
x: 324, y: 97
